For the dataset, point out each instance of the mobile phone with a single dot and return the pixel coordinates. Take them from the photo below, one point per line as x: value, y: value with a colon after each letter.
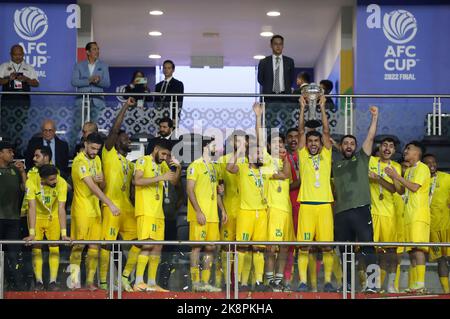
x: 141, y: 81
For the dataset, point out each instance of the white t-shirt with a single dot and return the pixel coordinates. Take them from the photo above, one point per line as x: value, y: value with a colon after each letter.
x: 10, y: 67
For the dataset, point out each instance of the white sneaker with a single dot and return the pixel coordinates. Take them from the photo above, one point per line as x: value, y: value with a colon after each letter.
x: 198, y: 287
x: 210, y: 288
x: 392, y: 290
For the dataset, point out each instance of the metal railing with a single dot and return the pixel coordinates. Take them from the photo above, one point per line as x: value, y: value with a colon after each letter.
x: 348, y: 256
x: 435, y: 128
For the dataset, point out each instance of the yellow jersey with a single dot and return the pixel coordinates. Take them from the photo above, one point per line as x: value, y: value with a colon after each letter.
x: 278, y: 190
x: 440, y: 201
x: 118, y: 173
x: 24, y: 208
x: 149, y: 198
x: 206, y: 182
x: 231, y: 196
x: 47, y: 198
x: 381, y: 199
x: 417, y: 206
x: 84, y: 201
x: 315, y: 176
x: 253, y: 185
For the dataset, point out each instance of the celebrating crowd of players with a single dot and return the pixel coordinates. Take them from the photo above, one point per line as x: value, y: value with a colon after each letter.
x: 259, y: 191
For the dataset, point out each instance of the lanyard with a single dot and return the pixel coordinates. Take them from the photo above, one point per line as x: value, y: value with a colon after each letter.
x: 20, y: 66
x: 295, y: 165
x: 408, y: 178
x: 157, y: 173
x: 259, y: 182
x: 275, y: 160
x: 212, y: 178
x: 381, y: 174
x: 49, y: 209
x: 125, y: 168
x: 432, y: 188
x: 316, y: 165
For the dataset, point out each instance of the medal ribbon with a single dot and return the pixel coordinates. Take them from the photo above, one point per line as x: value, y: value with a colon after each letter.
x: 212, y: 177
x: 432, y: 189
x: 259, y: 182
x: 125, y: 168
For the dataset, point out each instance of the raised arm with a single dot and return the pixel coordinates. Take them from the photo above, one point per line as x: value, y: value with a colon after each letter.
x: 368, y: 143
x: 301, y: 124
x: 326, y: 127
x: 257, y: 109
x: 114, y: 132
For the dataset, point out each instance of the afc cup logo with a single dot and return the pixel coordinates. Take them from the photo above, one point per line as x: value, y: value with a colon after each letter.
x: 399, y: 26
x: 30, y: 23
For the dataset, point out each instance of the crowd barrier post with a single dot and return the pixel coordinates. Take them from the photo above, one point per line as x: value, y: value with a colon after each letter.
x: 2, y: 271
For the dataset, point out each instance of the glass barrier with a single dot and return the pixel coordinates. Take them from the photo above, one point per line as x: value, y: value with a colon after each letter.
x: 267, y: 272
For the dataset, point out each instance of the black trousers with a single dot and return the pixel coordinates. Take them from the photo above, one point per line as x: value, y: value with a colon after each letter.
x: 9, y: 230
x: 355, y: 225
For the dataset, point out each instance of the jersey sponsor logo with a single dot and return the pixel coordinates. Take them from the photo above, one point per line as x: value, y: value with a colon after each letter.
x: 83, y: 169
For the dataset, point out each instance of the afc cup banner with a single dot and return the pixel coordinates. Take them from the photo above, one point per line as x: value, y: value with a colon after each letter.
x: 402, y: 48
x: 48, y: 34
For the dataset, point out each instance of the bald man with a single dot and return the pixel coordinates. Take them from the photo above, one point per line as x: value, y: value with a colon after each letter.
x: 60, y: 148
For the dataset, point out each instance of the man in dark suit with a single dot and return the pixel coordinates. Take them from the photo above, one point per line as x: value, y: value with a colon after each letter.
x: 60, y: 148
x: 275, y: 75
x: 271, y: 69
x: 169, y: 85
x: 165, y: 132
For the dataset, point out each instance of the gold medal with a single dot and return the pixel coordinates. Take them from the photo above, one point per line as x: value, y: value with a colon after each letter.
x: 264, y: 201
x: 381, y: 197
x: 279, y: 189
x: 212, y: 197
x: 157, y: 196
x: 123, y: 187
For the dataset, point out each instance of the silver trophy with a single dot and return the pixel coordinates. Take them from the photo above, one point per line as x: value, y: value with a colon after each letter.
x: 312, y: 93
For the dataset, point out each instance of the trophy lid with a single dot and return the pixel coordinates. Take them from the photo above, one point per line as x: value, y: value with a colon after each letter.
x: 312, y: 91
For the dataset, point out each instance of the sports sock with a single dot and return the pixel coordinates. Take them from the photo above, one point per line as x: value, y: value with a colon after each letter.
x: 444, y: 284
x: 328, y: 261
x: 104, y: 263
x: 420, y: 276
x: 258, y: 263
x: 303, y: 266
x: 153, y: 263
x: 92, y: 262
x: 53, y: 261
x: 312, y: 270
x: 142, y: 261
x: 37, y: 263
x: 133, y: 254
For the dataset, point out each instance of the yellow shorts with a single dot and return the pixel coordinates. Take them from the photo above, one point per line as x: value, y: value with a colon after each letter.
x: 251, y: 225
x: 384, y: 229
x: 149, y: 227
x: 86, y: 228
x: 209, y: 231
x: 441, y: 236
x: 417, y: 232
x: 49, y: 228
x: 124, y: 224
x: 315, y: 222
x: 228, y: 230
x: 280, y: 225
x: 400, y: 228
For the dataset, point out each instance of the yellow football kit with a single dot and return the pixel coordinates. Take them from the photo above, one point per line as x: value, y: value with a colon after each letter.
x: 206, y: 181
x: 118, y: 173
x: 382, y: 202
x: 440, y: 214
x: 148, y: 202
x: 47, y: 201
x: 86, y: 215
x: 417, y: 209
x: 315, y: 221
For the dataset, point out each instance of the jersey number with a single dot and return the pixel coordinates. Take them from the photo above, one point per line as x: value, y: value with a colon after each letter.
x: 246, y: 236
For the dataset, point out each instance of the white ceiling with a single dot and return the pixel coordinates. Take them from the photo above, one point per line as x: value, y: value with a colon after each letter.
x: 121, y: 28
